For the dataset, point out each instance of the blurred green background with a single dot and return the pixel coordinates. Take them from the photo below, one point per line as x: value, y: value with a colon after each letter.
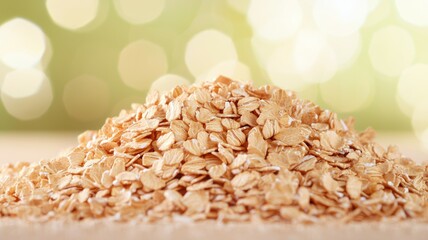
x: 69, y: 64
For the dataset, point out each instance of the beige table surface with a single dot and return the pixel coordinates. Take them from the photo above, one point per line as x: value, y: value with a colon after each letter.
x: 39, y: 145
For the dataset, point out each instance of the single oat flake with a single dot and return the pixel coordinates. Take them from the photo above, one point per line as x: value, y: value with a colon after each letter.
x: 223, y: 151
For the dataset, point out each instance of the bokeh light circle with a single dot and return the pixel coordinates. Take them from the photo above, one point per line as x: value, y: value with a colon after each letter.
x: 168, y: 82
x: 142, y: 62
x: 379, y: 10
x: 323, y: 69
x: 207, y: 49
x: 72, y: 14
x: 281, y: 69
x: 313, y: 58
x: 239, y: 5
x: 263, y: 50
x: 232, y: 69
x: 22, y: 43
x: 413, y: 11
x: 340, y: 17
x: 47, y: 56
x: 308, y: 47
x: 413, y: 85
x: 26, y: 93
x: 372, y: 5
x: 420, y: 122
x: 348, y: 92
x: 420, y: 118
x: 346, y: 49
x: 391, y: 50
x: 126, y: 103
x: 139, y: 11
x: 4, y: 70
x: 86, y: 98
x: 275, y: 19
x: 424, y: 139
x: 404, y: 107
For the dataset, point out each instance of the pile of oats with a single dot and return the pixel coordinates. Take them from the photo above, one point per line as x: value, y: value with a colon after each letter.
x: 224, y: 151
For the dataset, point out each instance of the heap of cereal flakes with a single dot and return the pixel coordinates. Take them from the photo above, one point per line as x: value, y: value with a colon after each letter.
x: 222, y: 151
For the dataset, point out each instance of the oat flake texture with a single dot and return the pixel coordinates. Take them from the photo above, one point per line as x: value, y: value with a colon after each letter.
x: 222, y: 151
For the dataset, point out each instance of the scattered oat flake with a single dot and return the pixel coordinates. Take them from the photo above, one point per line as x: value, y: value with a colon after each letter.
x: 173, y: 111
x: 256, y: 143
x: 64, y: 181
x: 173, y: 156
x: 195, y: 201
x: 331, y: 141
x: 118, y: 167
x: 165, y: 141
x: 217, y: 171
x: 354, y: 187
x: 151, y: 181
x: 126, y: 177
x: 245, y: 180
x: 193, y: 147
x: 291, y: 136
x: 235, y: 137
x: 304, y: 197
x: 83, y: 195
x: 328, y: 182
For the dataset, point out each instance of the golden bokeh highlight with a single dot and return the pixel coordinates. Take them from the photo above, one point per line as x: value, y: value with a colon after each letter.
x: 275, y: 19
x: 348, y: 92
x: 126, y: 103
x: 420, y: 123
x: 346, y: 49
x: 23, y: 83
x: 413, y: 85
x: 207, y: 49
x: 420, y: 117
x: 323, y: 69
x: 404, y: 107
x: 142, y: 62
x: 281, y: 68
x: 340, y: 17
x: 308, y: 47
x: 391, y: 50
x: 168, y: 82
x: 372, y: 5
x: 424, y: 139
x: 232, y: 68
x: 72, y: 14
x: 26, y: 93
x: 86, y: 98
x: 139, y: 11
x: 44, y: 62
x: 240, y: 6
x: 22, y: 43
x: 263, y: 50
x: 313, y: 58
x: 413, y: 11
x: 379, y: 10
x: 3, y: 71
x: 306, y: 60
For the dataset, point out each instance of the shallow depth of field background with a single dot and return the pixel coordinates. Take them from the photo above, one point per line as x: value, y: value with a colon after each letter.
x: 69, y: 64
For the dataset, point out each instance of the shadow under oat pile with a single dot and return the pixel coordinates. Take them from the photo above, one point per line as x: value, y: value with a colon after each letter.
x: 225, y: 151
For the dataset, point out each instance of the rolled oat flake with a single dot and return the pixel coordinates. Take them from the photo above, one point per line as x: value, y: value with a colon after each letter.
x: 224, y: 151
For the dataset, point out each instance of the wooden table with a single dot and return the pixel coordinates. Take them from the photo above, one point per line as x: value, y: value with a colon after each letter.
x: 16, y: 147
